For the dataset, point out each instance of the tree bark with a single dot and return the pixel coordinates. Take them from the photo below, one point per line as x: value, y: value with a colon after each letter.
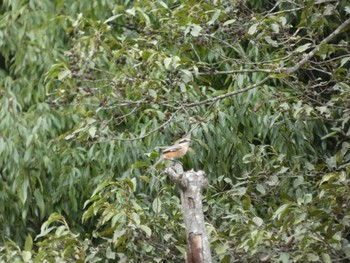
x: 191, y: 185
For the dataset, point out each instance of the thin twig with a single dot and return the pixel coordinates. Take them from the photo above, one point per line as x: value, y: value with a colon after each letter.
x: 126, y: 103
x: 241, y: 71
x: 148, y: 133
x: 227, y: 95
x: 317, y: 48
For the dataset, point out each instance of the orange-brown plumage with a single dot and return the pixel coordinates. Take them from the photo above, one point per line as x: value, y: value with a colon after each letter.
x: 178, y: 150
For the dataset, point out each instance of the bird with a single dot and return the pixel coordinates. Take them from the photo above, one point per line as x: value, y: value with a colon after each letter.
x: 174, y: 152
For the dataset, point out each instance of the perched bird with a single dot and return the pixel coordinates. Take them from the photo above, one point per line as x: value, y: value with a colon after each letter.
x: 175, y: 151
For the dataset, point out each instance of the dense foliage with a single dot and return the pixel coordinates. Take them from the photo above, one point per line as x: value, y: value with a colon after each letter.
x: 91, y: 90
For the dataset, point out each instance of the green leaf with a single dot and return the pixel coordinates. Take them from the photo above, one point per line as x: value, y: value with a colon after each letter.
x: 261, y: 188
x: 27, y: 256
x: 186, y: 77
x: 309, y: 166
x: 323, y: 51
x: 345, y: 60
x: 273, y: 180
x: 195, y: 30
x: 279, y: 76
x: 2, y: 145
x: 44, y: 232
x: 139, y: 164
x: 283, y: 20
x: 298, y: 181
x: 100, y: 188
x: 132, y: 183
x: 63, y: 74
x: 163, y: 4
x: 28, y: 246
x: 281, y: 211
x: 112, y: 18
x: 346, y: 249
x: 270, y: 41
x: 182, y: 250
x: 131, y: 11
x: 284, y: 257
x: 347, y: 9
x: 215, y: 17
x: 40, y: 202
x: 167, y: 62
x: 326, y: 258
x: 330, y: 135
x: 240, y: 81
x: 167, y: 237
x: 221, y: 249
x: 307, y: 198
x: 92, y: 131
x: 303, y: 48
x: 229, y: 22
x: 157, y: 205
x: 23, y: 191
x: 239, y: 191
x: 144, y: 15
x: 253, y: 28
x: 226, y: 259
x: 246, y: 202
x: 332, y: 161
x: 136, y: 219
x: 258, y: 221
x: 327, y: 177
x: 145, y: 178
x: 110, y: 254
x: 153, y: 93
x: 146, y: 229
x: 312, y: 257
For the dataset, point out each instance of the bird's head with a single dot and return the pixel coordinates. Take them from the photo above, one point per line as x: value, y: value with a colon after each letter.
x: 185, y: 141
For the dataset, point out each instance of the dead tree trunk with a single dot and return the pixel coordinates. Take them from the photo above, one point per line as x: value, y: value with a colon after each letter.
x: 191, y: 184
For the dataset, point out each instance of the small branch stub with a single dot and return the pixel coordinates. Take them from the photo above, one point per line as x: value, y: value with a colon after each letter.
x: 191, y: 185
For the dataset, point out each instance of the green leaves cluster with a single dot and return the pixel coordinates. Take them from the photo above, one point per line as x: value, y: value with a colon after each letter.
x: 88, y: 91
x: 131, y: 221
x: 298, y: 227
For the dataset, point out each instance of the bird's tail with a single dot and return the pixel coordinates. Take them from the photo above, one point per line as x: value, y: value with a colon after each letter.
x: 153, y: 167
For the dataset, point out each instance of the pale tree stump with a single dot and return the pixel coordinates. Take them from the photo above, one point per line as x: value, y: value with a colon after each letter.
x: 191, y: 185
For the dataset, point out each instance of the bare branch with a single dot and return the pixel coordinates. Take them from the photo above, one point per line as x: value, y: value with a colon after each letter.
x: 227, y: 95
x: 126, y: 103
x: 148, y: 133
x: 235, y: 71
x: 317, y: 48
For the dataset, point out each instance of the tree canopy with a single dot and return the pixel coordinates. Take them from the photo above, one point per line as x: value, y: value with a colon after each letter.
x: 90, y: 92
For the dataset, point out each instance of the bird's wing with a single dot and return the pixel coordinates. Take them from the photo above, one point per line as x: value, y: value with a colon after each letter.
x: 173, y: 148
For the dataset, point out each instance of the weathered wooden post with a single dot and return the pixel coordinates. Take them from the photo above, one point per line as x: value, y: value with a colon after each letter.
x: 191, y: 185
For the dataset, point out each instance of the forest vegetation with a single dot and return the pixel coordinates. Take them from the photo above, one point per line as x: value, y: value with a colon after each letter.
x: 90, y: 92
